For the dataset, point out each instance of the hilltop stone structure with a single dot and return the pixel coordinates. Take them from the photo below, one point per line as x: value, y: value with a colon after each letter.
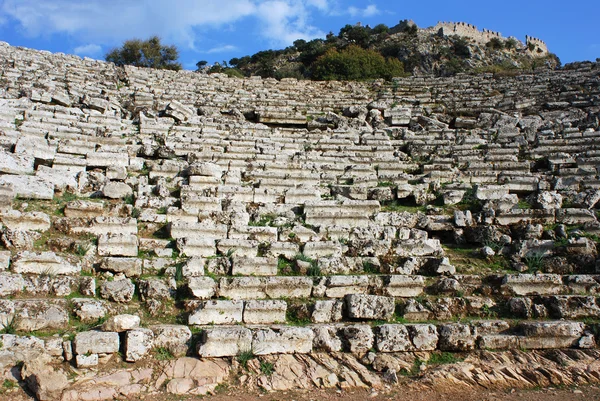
x: 166, y: 231
x: 536, y: 46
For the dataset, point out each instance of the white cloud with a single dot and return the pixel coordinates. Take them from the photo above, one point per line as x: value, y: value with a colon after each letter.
x: 222, y: 49
x: 369, y: 11
x: 286, y: 21
x: 88, y: 50
x: 110, y: 21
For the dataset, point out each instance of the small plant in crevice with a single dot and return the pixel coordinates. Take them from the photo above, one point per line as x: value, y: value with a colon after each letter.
x: 443, y: 358
x: 163, y: 354
x: 267, y: 368
x: 535, y: 261
x: 244, y: 357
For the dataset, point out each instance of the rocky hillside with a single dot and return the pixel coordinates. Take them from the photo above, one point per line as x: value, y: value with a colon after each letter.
x: 443, y: 50
x: 172, y: 232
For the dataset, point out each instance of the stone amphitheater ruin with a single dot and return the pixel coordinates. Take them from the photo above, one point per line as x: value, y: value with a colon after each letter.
x: 171, y: 231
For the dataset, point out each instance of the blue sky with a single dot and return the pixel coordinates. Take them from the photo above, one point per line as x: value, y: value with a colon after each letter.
x: 216, y: 30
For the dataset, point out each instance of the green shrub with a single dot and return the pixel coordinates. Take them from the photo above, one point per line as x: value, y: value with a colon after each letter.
x: 146, y: 53
x: 495, y: 44
x: 266, y: 368
x: 355, y: 63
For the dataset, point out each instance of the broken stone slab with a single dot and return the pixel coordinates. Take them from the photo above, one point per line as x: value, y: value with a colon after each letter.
x: 202, y: 287
x: 121, y: 323
x: 255, y: 266
x: 398, y: 115
x: 89, y: 310
x: 217, y: 342
x: 46, y: 382
x: 120, y: 291
x: 179, y: 111
x: 4, y: 260
x: 130, y: 267
x: 117, y: 245
x: 32, y: 221
x: 138, y: 343
x: 175, y: 338
x: 217, y: 312
x: 359, y: 306
x: 194, y: 267
x: 28, y: 186
x: 282, y: 340
x: 48, y: 263
x: 327, y: 338
x: 533, y: 284
x: 17, y: 164
x: 265, y: 311
x: 417, y: 248
x: 86, y: 360
x: 96, y: 342
x: 116, y: 190
x: 326, y: 311
x: 403, y: 286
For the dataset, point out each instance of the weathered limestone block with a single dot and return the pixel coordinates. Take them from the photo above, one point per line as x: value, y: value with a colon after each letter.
x: 327, y: 339
x: 175, y: 338
x: 17, y: 221
x: 218, y: 342
x: 138, y: 343
x: 490, y: 192
x: 426, y: 247
x: 28, y: 186
x: 86, y: 360
x: 202, y: 287
x: 549, y: 200
x: 34, y: 314
x: 107, y: 159
x: 42, y: 263
x: 392, y: 338
x: 360, y: 306
x: 544, y: 335
x: 288, y: 287
x: 404, y: 286
x: 4, y: 260
x: 255, y: 266
x: 239, y: 248
x: 130, y: 267
x: 202, y: 231
x: 96, y: 342
x: 117, y: 245
x: 339, y: 286
x: 194, y: 267
x: 10, y: 284
x: 398, y: 115
x: 264, y: 312
x: 120, y: 291
x: 196, y: 247
x: 88, y: 309
x: 575, y: 216
x: 283, y: 340
x: 106, y: 225
x: 243, y: 287
x: 316, y: 250
x: 327, y: 311
x: 217, y: 312
x: 83, y: 209
x: 116, y: 190
x: 154, y: 289
x: 358, y: 338
x: 573, y: 307
x: 456, y: 337
x: 424, y: 337
x: 121, y: 323
x: 530, y: 284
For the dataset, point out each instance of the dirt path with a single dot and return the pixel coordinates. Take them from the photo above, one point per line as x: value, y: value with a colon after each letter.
x: 587, y: 393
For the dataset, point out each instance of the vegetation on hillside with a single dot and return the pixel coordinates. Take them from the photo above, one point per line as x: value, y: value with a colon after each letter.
x: 361, y: 52
x: 149, y: 53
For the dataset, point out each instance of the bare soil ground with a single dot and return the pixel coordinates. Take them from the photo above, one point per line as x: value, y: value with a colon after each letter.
x: 401, y: 393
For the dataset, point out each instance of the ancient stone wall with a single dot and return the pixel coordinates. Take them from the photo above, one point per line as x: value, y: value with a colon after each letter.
x: 314, y: 227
